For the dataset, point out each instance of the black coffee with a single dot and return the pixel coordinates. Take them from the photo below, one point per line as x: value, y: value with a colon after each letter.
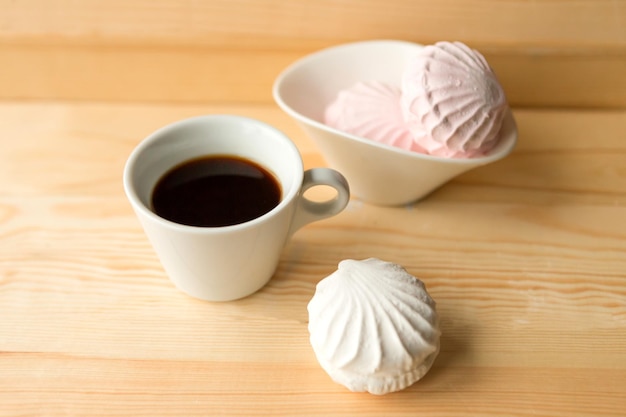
x: 215, y: 191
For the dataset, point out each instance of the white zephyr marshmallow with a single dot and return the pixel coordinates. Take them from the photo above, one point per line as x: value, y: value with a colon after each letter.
x: 373, y: 326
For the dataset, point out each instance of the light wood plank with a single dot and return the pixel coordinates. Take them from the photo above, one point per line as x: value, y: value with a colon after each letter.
x: 548, y: 53
x: 288, y: 23
x: 203, y: 74
x: 525, y: 259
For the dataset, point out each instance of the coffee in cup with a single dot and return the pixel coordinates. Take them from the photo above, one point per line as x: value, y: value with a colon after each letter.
x: 214, y: 191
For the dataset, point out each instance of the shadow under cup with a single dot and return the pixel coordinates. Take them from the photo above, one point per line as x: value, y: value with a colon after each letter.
x: 216, y: 263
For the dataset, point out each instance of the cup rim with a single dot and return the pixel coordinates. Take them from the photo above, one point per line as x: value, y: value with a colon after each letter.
x: 138, y: 150
x: 508, y: 131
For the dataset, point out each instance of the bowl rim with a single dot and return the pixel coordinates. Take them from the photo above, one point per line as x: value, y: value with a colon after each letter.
x: 508, y: 130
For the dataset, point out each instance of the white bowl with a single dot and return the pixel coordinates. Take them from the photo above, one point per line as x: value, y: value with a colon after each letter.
x: 377, y: 173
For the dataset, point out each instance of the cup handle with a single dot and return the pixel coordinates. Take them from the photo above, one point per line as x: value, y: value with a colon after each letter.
x: 308, y: 211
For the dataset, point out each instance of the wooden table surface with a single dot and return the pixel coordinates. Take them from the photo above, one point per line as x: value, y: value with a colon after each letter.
x: 526, y: 258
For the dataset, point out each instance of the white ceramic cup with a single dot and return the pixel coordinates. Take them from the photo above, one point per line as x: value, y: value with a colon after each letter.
x: 230, y: 262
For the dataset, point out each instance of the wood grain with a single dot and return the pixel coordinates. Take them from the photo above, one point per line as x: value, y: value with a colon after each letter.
x: 526, y: 259
x: 549, y: 53
x: 550, y: 23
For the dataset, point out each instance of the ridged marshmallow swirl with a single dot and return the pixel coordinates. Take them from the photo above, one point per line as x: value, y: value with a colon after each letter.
x: 371, y: 110
x: 452, y: 101
x: 373, y: 326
